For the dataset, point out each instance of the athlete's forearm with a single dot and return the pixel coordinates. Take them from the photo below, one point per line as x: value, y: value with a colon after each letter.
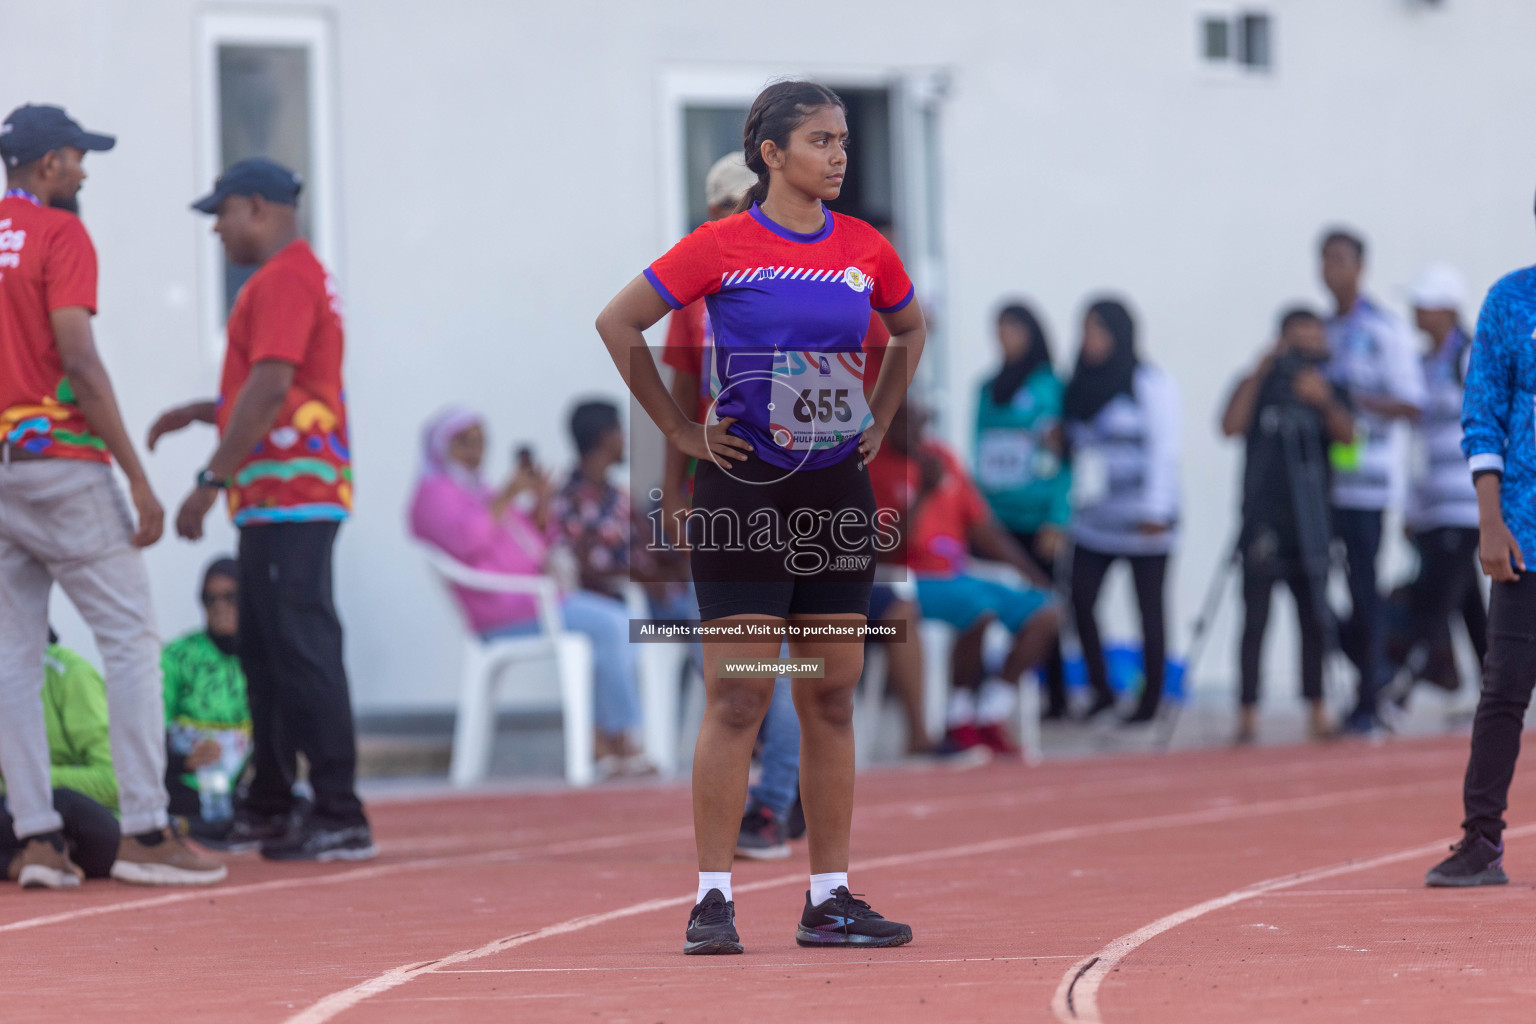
x: 622, y: 326
x: 896, y: 373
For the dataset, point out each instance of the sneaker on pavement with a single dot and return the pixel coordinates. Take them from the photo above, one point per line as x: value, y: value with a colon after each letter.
x: 712, y: 927
x: 313, y: 840
x: 1476, y: 860
x: 845, y: 920
x: 44, y: 864
x: 763, y: 835
x: 161, y: 857
x: 960, y: 738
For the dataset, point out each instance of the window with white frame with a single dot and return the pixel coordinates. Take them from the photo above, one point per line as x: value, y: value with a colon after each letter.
x: 265, y: 82
x: 1241, y: 40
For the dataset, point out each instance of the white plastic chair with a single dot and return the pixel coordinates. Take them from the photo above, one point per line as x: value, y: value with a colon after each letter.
x: 569, y: 654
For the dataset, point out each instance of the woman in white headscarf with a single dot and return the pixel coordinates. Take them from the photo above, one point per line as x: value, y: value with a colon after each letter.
x: 488, y: 529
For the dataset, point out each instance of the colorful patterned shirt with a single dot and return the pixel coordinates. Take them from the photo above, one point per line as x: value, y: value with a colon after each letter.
x: 302, y: 470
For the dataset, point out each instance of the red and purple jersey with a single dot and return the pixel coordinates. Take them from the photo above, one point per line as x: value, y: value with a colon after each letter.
x: 781, y: 304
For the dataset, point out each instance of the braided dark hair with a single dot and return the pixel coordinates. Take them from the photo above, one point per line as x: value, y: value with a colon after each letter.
x: 775, y: 114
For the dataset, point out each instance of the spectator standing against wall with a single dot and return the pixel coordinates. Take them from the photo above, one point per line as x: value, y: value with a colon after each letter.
x: 1442, y: 503
x: 1122, y: 427
x: 1372, y: 357
x: 284, y: 459
x: 1019, y: 468
x: 63, y: 518
x: 1288, y: 414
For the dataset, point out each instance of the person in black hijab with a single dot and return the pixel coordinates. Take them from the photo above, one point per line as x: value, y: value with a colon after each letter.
x: 1122, y: 428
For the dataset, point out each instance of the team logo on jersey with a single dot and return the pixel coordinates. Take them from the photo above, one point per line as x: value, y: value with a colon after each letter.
x: 854, y: 278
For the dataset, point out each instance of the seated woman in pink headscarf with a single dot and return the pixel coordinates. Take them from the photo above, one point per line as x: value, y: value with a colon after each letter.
x: 486, y: 529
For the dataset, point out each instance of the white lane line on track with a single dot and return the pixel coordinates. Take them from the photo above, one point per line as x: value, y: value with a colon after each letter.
x: 201, y: 893
x: 1077, y: 995
x: 772, y: 966
x: 339, y: 1002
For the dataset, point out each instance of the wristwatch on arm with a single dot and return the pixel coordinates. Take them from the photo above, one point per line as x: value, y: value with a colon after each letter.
x: 205, y: 478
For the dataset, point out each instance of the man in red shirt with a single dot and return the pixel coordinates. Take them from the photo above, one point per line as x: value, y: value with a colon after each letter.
x: 63, y: 518
x: 284, y: 460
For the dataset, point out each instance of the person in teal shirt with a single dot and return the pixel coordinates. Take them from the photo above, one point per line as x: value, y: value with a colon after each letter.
x: 80, y: 755
x: 1019, y: 467
x: 208, y: 718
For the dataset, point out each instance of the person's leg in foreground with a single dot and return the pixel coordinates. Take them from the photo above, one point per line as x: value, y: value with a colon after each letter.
x: 833, y: 916
x: 733, y: 712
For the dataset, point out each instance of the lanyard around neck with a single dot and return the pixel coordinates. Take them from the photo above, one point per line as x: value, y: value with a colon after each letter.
x: 21, y: 193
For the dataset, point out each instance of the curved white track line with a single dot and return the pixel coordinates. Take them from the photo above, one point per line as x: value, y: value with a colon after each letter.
x: 339, y: 1002
x: 1077, y: 995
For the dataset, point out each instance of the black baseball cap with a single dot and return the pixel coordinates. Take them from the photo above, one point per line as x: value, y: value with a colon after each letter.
x: 256, y: 176
x: 33, y: 130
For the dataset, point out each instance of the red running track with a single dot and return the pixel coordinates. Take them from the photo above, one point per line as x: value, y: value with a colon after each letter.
x: 1253, y: 885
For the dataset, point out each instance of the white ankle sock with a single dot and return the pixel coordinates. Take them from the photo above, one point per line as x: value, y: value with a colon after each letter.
x: 962, y: 708
x: 822, y: 886
x: 996, y: 701
x: 714, y: 880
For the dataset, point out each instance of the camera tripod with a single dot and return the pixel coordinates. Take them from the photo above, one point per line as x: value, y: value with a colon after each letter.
x: 1307, y: 473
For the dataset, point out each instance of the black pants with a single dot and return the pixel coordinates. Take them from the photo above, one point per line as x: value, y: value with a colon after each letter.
x: 1261, y: 572
x: 1361, y: 635
x: 1055, y: 675
x: 1509, y: 672
x: 90, y: 833
x: 1149, y: 572
x: 1447, y: 585
x: 290, y: 649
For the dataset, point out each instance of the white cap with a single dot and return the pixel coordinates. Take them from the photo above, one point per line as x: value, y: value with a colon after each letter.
x: 1439, y: 287
x: 728, y: 180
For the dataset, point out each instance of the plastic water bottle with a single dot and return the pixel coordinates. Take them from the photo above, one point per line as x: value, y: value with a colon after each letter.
x: 213, y: 793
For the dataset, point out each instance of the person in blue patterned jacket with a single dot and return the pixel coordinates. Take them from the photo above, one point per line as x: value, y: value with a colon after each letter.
x: 1499, y: 441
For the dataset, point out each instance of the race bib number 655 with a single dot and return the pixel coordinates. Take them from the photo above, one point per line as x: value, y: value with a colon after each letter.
x: 817, y: 399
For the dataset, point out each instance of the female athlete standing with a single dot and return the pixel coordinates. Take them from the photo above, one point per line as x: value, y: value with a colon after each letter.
x: 789, y: 287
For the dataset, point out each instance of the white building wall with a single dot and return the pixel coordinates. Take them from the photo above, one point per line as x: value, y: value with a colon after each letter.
x: 499, y: 179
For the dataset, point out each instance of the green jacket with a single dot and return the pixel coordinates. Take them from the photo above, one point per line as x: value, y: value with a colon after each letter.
x: 75, y: 711
x: 204, y: 687
x: 1022, y: 479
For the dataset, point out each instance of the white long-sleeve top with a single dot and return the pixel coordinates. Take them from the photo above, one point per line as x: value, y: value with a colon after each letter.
x: 1125, y: 465
x: 1373, y: 357
x: 1441, y: 493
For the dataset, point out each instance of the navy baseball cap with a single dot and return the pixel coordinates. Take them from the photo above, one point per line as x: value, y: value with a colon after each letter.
x: 32, y: 131
x: 256, y: 176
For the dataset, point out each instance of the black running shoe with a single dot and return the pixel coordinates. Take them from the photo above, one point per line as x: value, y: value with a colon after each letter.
x: 312, y: 840
x: 1476, y: 860
x: 763, y: 836
x: 247, y: 831
x: 712, y: 927
x: 845, y: 920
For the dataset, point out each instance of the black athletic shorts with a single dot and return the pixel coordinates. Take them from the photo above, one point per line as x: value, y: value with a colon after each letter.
x: 770, y: 541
